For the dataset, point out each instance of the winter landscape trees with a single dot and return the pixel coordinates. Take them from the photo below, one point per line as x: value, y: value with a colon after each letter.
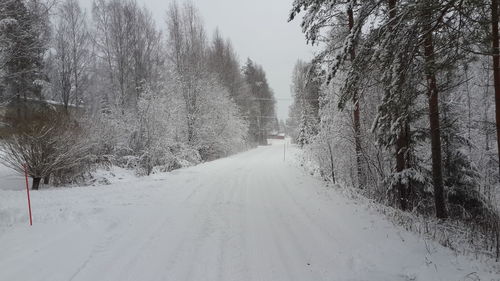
x: 407, y: 100
x: 400, y: 103
x: 71, y: 57
x: 113, y: 86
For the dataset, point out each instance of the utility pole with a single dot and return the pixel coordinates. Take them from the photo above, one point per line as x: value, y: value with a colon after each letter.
x: 284, y: 144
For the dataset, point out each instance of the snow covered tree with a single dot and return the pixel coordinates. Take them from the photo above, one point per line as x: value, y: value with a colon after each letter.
x: 71, y: 58
x: 23, y: 39
x: 223, y: 61
x: 263, y: 108
x: 393, y: 47
x: 207, y: 77
x: 306, y: 101
x: 346, y: 19
x: 128, y: 43
x: 187, y: 53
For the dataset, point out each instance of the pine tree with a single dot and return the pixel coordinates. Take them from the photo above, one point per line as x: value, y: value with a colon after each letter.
x: 23, y: 40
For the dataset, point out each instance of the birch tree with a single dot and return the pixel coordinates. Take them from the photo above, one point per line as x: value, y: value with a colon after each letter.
x: 72, y: 43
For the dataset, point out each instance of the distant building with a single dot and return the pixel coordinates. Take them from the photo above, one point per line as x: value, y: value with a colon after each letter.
x: 276, y: 136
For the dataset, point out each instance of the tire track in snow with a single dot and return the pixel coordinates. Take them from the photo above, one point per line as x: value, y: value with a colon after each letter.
x: 248, y: 217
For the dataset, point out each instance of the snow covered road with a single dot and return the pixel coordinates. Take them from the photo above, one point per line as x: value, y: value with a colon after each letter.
x: 251, y: 216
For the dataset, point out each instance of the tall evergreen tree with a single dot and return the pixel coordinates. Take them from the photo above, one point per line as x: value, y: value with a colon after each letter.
x: 23, y: 44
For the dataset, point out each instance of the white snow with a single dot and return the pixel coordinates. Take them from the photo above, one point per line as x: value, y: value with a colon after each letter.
x: 9, y: 180
x: 251, y: 216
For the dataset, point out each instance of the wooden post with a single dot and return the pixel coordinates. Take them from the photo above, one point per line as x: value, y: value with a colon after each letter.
x: 28, y: 192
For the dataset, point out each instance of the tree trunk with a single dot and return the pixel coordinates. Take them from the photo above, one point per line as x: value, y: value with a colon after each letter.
x: 46, y: 180
x: 331, y: 162
x: 433, y: 97
x: 496, y: 67
x: 36, y: 183
x: 496, y: 81
x: 402, y: 139
x: 355, y: 100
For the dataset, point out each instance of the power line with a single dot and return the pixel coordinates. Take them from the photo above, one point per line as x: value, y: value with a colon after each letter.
x: 268, y: 99
x: 268, y: 117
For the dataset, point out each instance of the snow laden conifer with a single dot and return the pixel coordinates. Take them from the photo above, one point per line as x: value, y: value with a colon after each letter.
x: 393, y: 50
x: 418, y: 73
x: 306, y: 102
x: 23, y: 42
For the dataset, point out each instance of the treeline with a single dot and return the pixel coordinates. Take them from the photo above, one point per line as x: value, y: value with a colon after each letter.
x: 113, y: 88
x: 401, y: 102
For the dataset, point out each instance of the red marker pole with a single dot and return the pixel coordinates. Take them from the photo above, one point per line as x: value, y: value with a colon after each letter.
x: 28, y: 192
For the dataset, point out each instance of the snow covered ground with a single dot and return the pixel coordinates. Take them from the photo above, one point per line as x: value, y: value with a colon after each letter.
x: 9, y: 180
x: 251, y: 216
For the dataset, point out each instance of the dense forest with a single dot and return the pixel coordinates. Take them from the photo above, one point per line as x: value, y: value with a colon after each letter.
x: 115, y: 87
x: 401, y: 103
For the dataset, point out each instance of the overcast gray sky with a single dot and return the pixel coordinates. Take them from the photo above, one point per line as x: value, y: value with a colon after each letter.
x: 258, y: 29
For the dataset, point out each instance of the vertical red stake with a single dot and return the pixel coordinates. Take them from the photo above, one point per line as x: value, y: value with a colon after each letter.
x: 28, y: 192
